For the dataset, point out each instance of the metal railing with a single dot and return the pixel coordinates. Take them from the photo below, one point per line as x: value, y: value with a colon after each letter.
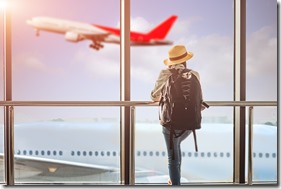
x: 9, y: 126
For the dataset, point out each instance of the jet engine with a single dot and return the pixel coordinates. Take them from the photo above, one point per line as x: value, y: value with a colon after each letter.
x: 73, y: 37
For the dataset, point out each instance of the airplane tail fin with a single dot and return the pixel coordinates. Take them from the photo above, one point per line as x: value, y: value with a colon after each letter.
x: 160, y: 31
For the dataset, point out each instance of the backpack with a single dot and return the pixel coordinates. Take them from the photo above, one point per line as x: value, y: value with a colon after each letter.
x: 180, y: 103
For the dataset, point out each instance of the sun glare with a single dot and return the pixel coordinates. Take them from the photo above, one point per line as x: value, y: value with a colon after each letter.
x: 3, y: 4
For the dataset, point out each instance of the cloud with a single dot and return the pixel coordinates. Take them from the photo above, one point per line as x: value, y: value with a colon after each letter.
x: 100, y: 64
x: 262, y: 52
x: 34, y: 63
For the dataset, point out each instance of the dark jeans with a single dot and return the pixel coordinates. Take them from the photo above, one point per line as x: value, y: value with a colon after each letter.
x: 175, y: 164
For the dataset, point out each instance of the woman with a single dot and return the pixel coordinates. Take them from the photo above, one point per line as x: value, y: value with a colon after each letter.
x: 178, y: 55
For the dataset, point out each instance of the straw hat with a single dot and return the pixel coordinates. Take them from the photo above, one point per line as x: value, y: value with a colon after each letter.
x: 177, y: 55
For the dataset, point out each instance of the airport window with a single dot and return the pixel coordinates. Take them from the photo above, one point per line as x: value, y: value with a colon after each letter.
x: 42, y: 63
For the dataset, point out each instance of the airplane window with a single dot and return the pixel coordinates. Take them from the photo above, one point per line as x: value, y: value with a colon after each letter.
x: 48, y: 152
x: 24, y: 152
x: 209, y: 154
x: 221, y: 154
x: 189, y: 154
x: 54, y: 153
x: 84, y: 153
x: 260, y: 155
x: 157, y: 153
x: 183, y: 154
x: 96, y: 153
x: 78, y: 153
x: 90, y: 153
x: 42, y: 152
x: 72, y: 153
x: 60, y: 153
x: 102, y: 153
x: 163, y: 153
x: 151, y: 153
x: 195, y: 154
x: 18, y: 152
x: 36, y: 152
x: 274, y: 155
x: 30, y: 152
x: 215, y: 154
x: 267, y: 155
x: 108, y: 153
x: 254, y: 154
x: 114, y: 153
x: 202, y: 154
x: 227, y: 154
x: 144, y: 153
x: 138, y: 153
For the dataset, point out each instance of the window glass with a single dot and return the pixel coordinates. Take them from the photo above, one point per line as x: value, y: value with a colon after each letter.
x: 265, y: 144
x: 58, y: 145
x: 204, y: 27
x: 62, y: 66
x: 212, y: 163
x: 261, y: 50
x: 262, y: 84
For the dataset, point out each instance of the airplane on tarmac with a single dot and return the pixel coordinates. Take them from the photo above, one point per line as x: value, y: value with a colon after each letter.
x: 98, y: 34
x: 89, y: 152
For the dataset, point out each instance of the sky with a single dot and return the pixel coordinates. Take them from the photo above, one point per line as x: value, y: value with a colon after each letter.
x: 49, y: 68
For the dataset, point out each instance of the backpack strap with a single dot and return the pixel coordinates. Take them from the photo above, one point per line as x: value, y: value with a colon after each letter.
x: 195, y: 140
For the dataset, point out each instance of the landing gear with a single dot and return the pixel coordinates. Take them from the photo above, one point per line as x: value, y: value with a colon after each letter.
x: 37, y: 32
x: 97, y: 46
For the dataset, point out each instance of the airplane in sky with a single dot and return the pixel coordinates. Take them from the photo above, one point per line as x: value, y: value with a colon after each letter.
x: 98, y: 34
x: 89, y: 152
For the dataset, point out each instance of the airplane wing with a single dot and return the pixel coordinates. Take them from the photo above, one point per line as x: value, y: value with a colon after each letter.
x: 28, y: 166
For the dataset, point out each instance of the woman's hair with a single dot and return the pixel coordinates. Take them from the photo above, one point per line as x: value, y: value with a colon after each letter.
x: 184, y: 63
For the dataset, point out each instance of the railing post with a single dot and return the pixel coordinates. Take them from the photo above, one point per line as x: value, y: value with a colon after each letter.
x: 132, y: 146
x: 250, y: 146
x: 9, y: 146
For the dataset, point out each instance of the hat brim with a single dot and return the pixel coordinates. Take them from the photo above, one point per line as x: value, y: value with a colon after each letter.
x: 168, y: 62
